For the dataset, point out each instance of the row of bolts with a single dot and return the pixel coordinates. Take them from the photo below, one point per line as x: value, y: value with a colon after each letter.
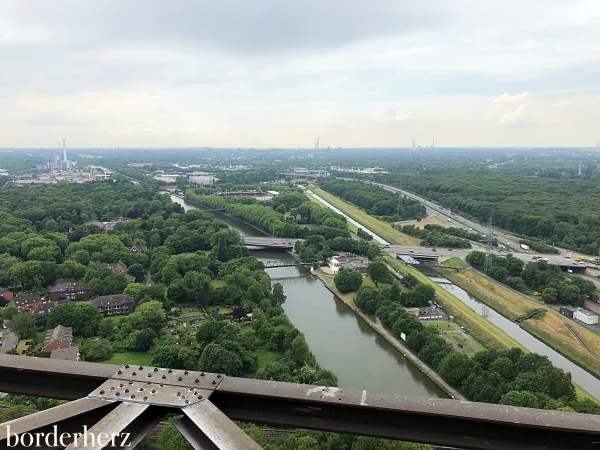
x: 154, y: 390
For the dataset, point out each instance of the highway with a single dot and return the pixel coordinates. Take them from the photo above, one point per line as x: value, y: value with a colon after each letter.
x: 462, y: 253
x: 456, y: 220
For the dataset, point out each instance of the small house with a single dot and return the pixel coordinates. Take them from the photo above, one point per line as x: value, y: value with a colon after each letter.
x: 24, y: 302
x: 59, y: 337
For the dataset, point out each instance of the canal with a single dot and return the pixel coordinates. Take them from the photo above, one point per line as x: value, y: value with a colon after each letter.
x: 340, y: 340
x: 583, y: 378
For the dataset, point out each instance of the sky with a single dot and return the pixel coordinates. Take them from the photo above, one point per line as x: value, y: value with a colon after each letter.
x: 227, y: 73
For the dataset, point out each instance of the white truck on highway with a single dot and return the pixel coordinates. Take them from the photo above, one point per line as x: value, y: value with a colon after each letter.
x: 525, y: 247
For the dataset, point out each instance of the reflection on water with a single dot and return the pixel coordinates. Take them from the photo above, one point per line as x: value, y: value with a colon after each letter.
x: 580, y: 376
x: 340, y: 340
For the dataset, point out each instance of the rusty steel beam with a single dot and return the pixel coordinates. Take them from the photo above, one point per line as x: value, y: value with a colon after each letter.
x: 455, y: 423
x: 218, y: 428
x: 467, y: 425
x: 50, y: 378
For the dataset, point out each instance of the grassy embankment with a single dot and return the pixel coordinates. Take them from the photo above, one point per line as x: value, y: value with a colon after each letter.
x: 382, y: 229
x: 482, y: 330
x: 550, y: 327
x: 508, y: 303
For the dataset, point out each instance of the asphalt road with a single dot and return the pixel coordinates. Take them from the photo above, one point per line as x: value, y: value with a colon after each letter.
x: 462, y: 253
x: 456, y: 220
x: 9, y: 340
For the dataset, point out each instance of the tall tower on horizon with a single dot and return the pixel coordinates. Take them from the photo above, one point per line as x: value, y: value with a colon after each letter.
x: 64, y: 150
x: 413, y: 143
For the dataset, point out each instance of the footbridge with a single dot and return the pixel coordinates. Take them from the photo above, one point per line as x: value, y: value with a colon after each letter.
x: 289, y: 263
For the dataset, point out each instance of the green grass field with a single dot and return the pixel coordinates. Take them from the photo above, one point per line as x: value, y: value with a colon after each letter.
x: 218, y: 283
x: 385, y: 230
x: 265, y: 356
x: 442, y: 325
x: 137, y: 358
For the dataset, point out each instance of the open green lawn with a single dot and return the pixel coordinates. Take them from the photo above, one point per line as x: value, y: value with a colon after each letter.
x: 265, y: 356
x: 453, y: 262
x: 383, y: 229
x: 120, y: 359
x: 218, y: 283
x: 442, y: 325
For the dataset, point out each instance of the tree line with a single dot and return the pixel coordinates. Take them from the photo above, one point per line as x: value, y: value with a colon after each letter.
x: 375, y: 200
x: 510, y: 377
x: 554, y: 285
x: 559, y: 212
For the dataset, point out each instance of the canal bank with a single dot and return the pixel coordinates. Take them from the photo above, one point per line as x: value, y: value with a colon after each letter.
x: 380, y: 329
x: 579, y: 376
x: 341, y: 341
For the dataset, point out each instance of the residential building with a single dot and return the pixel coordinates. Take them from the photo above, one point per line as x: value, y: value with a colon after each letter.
x: 24, y: 302
x: 43, y: 308
x: 73, y: 290
x: 358, y: 263
x: 138, y: 249
x: 119, y: 268
x: 585, y: 316
x: 114, y: 304
x: 6, y: 294
x: 66, y: 354
x: 59, y: 337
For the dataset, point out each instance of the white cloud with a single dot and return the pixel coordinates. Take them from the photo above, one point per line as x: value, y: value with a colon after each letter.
x: 517, y: 117
x: 387, y: 114
x: 507, y: 98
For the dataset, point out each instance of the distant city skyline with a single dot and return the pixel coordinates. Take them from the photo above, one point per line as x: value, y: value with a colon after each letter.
x: 300, y: 74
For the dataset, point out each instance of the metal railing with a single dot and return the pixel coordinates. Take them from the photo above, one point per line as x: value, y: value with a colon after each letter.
x: 118, y: 402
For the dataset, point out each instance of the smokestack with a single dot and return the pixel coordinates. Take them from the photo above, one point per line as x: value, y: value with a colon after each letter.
x: 64, y: 150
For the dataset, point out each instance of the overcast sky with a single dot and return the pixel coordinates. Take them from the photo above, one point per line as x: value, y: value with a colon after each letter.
x: 145, y: 73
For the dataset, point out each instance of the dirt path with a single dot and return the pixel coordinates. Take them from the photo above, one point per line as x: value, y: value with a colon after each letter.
x: 581, y: 341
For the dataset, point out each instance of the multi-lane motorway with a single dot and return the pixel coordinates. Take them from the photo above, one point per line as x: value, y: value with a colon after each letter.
x: 462, y: 253
x: 456, y: 220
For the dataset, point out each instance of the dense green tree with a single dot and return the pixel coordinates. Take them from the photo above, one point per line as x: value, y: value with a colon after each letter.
x: 520, y: 398
x: 299, y: 350
x: 379, y: 272
x: 149, y: 315
x: 137, y: 271
x: 96, y: 350
x: 216, y: 358
x: 278, y: 297
x: 348, y: 280
x: 23, y: 324
x: 141, y: 340
x: 549, y: 295
x: 9, y: 311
